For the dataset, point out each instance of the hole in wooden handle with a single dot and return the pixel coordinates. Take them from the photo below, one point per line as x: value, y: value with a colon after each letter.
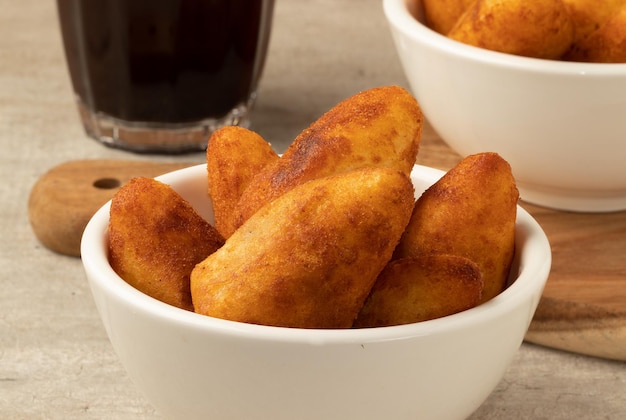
x: 107, y: 183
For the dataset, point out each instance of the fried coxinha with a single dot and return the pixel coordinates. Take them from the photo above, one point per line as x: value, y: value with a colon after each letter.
x: 328, y: 233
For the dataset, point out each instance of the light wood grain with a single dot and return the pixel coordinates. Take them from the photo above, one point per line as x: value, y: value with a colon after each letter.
x: 583, y: 308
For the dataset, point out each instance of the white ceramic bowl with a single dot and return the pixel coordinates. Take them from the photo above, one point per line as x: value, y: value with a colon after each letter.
x: 192, y: 366
x: 561, y: 125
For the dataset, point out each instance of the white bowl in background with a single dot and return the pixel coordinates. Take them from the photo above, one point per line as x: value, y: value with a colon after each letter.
x: 561, y: 125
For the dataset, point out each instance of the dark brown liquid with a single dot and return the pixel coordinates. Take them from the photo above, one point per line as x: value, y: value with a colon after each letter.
x: 164, y: 60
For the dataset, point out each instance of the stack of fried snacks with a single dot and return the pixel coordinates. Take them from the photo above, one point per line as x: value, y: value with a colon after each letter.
x: 569, y: 30
x: 457, y: 249
x: 329, y: 235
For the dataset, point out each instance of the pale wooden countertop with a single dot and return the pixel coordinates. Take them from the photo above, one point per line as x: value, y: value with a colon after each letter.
x: 55, y: 359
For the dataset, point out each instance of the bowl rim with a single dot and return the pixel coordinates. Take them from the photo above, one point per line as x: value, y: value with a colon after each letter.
x: 400, y: 17
x: 534, y: 266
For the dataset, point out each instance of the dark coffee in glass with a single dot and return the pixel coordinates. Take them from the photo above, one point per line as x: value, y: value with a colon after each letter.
x: 161, y: 75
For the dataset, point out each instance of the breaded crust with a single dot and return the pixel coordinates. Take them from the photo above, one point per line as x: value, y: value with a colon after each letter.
x: 442, y: 15
x: 607, y: 44
x: 590, y: 15
x: 416, y: 289
x: 469, y: 212
x: 309, y: 258
x: 156, y: 238
x: 380, y: 127
x: 234, y: 156
x: 538, y: 28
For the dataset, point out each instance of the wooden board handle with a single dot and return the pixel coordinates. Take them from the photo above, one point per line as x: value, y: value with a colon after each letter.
x: 64, y: 199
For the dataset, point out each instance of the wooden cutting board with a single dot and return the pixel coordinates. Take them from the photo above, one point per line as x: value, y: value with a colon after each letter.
x: 583, y: 308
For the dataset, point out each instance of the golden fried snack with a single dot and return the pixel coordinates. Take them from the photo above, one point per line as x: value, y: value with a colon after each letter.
x: 417, y: 289
x: 442, y: 15
x: 309, y: 258
x: 538, y: 28
x: 589, y: 15
x: 604, y: 45
x: 156, y: 238
x: 469, y: 212
x: 234, y: 155
x: 380, y: 126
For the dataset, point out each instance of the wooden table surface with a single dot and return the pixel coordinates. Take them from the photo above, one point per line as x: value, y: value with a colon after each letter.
x: 55, y: 359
